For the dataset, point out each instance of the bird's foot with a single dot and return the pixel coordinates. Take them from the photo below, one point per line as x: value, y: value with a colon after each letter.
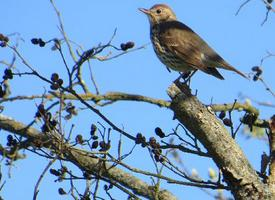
x: 186, y: 77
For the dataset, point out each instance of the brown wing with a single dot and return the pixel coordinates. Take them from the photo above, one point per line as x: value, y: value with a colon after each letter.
x: 192, y: 49
x: 184, y: 42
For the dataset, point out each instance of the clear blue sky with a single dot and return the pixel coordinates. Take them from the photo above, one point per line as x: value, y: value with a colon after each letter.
x: 241, y: 40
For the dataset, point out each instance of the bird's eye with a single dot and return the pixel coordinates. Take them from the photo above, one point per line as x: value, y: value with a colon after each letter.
x: 158, y: 11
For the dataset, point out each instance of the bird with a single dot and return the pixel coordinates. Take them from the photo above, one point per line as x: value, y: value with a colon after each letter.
x: 179, y: 48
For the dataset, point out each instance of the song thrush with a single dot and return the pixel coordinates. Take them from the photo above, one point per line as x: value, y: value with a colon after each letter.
x: 179, y: 47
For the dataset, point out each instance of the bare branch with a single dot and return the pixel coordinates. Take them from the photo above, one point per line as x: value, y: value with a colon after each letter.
x: 85, y: 160
x: 41, y: 177
x: 241, y: 6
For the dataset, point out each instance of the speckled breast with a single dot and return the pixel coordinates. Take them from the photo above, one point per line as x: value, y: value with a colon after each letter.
x: 166, y: 56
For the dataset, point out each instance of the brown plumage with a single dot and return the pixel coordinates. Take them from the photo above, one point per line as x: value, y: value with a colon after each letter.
x: 179, y: 47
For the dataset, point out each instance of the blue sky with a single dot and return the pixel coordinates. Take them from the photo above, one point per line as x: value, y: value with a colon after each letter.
x: 241, y: 40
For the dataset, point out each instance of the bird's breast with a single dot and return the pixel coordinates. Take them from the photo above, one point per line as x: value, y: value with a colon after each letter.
x: 165, y: 55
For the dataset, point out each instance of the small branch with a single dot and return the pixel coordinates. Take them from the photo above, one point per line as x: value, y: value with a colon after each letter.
x: 66, y: 65
x: 41, y: 177
x: 108, y: 57
x: 268, y: 5
x: 241, y: 6
x: 93, y: 78
x: 269, y: 54
x: 63, y: 30
x: 200, y: 184
x: 260, y: 103
x: 267, y: 87
x: 266, y: 17
x: 236, y: 106
x: 184, y: 149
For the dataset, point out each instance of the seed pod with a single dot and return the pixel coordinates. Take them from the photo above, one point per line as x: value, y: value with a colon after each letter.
x: 159, y: 132
x: 227, y: 122
x: 54, y: 77
x: 222, y: 114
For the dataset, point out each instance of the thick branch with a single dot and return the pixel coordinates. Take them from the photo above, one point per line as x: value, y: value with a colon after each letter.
x: 271, y: 178
x: 109, y: 96
x: 202, y: 123
x: 85, y: 160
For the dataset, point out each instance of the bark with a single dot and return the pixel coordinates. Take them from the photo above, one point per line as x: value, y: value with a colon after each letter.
x: 242, y: 179
x: 271, y: 178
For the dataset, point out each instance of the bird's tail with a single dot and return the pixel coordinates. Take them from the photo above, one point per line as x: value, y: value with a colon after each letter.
x: 227, y: 66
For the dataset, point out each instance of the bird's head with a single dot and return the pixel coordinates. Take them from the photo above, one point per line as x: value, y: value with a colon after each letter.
x: 159, y: 13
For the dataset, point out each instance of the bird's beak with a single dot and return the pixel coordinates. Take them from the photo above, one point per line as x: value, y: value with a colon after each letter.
x: 145, y: 11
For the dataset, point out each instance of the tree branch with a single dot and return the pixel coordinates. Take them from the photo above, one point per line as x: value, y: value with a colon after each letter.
x: 85, y: 160
x: 271, y: 178
x: 109, y: 96
x: 236, y: 106
x: 237, y: 171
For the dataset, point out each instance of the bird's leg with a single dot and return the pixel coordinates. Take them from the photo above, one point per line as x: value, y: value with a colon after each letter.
x: 186, y: 76
x: 187, y: 80
x: 181, y: 76
x: 168, y: 69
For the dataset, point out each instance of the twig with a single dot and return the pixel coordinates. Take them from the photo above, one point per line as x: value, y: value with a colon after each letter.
x: 267, y: 87
x: 184, y: 149
x: 96, y: 189
x: 41, y: 177
x: 106, y: 58
x: 230, y: 118
x: 210, y: 185
x: 66, y: 65
x: 261, y: 103
x: 266, y: 17
x: 241, y: 6
x: 93, y: 78
x: 63, y: 30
